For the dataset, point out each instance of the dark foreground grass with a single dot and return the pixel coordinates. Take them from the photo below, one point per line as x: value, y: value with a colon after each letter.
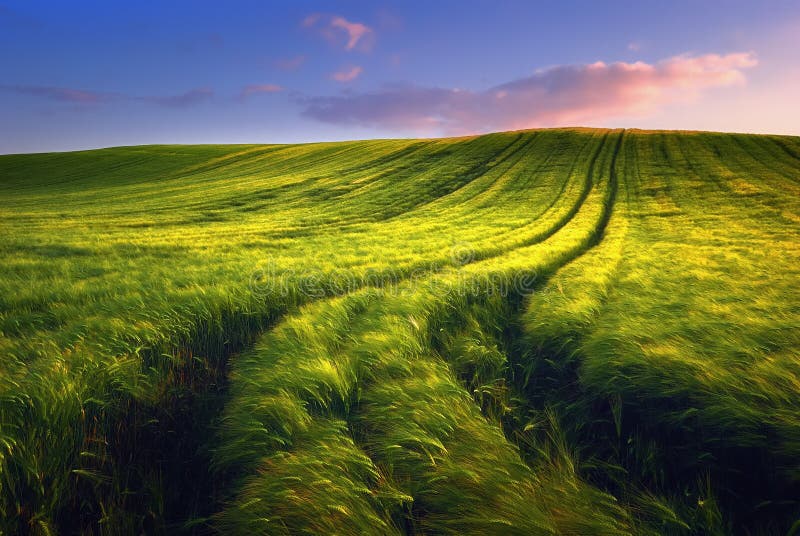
x: 546, y: 332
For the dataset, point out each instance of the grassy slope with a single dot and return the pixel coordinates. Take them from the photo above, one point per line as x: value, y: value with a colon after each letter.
x: 565, y: 331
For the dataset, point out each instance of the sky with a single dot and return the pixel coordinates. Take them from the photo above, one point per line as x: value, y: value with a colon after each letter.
x: 87, y: 74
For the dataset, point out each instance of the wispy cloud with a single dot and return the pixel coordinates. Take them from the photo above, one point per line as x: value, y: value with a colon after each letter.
x: 290, y: 64
x: 341, y: 32
x: 91, y: 98
x: 347, y: 75
x: 183, y: 100
x: 565, y: 94
x: 256, y: 89
x: 61, y: 94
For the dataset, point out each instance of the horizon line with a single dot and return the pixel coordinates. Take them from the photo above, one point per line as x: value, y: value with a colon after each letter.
x: 388, y: 138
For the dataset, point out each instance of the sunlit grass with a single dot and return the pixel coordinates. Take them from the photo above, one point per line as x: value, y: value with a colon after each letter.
x: 563, y: 331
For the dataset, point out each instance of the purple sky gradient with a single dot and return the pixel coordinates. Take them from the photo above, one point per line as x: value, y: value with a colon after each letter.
x: 86, y: 74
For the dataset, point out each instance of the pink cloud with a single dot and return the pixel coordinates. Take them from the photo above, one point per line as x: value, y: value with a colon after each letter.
x: 708, y: 70
x: 355, y: 31
x: 357, y: 36
x: 259, y: 88
x: 564, y: 94
x: 348, y: 74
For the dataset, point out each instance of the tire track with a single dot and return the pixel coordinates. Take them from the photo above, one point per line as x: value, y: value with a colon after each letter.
x: 376, y: 318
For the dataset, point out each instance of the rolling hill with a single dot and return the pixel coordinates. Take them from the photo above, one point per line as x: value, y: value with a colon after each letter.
x: 566, y: 331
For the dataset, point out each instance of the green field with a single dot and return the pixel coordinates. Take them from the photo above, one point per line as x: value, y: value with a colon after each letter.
x: 567, y: 331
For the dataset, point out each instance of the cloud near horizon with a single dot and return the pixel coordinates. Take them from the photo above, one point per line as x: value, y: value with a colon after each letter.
x: 90, y: 98
x: 61, y: 94
x: 559, y: 95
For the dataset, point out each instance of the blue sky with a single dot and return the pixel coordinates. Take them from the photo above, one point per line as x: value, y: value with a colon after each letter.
x: 91, y: 74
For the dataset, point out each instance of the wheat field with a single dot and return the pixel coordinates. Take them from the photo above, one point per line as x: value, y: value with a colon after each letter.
x: 560, y: 331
